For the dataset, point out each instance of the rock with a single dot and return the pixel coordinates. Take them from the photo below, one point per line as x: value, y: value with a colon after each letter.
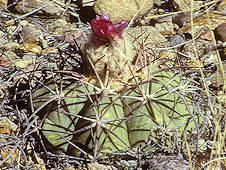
x: 27, y: 6
x: 168, y: 163
x: 96, y: 166
x: 165, y: 28
x: 207, y: 35
x: 4, y: 62
x: 60, y: 26
x: 31, y: 31
x: 30, y: 47
x: 177, y: 40
x: 11, y: 57
x: 220, y: 32
x: 223, y: 53
x: 69, y: 168
x: 202, y: 47
x: 79, y: 40
x: 185, y: 4
x: 202, y: 23
x: 79, y: 37
x: 216, y: 80
x: 11, y: 46
x: 125, y: 10
x: 182, y: 18
x: 11, y: 29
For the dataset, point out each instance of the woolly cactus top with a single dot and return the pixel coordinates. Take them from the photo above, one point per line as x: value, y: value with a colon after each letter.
x: 117, y: 54
x: 111, y: 51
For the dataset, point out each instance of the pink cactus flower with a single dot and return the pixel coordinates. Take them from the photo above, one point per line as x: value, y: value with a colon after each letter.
x: 104, y: 30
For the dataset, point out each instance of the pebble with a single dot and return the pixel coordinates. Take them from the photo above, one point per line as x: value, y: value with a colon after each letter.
x: 177, y: 40
x: 182, y: 18
x: 31, y: 31
x: 94, y: 166
x: 220, y: 32
x: 168, y: 163
x: 24, y: 7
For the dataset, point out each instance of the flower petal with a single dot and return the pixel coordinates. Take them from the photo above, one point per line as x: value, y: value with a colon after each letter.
x: 119, y: 28
x: 105, y: 17
x: 104, y: 30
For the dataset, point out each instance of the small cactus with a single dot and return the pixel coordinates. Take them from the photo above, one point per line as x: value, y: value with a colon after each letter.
x: 99, y: 123
x: 88, y: 117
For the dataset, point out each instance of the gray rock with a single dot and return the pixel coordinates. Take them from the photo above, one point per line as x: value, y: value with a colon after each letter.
x: 31, y: 31
x: 168, y: 163
x: 177, y: 40
x: 27, y: 6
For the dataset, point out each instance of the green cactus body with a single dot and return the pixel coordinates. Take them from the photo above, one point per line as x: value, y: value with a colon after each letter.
x: 155, y: 104
x: 57, y: 129
x: 58, y: 126
x: 109, y: 133
x: 100, y: 124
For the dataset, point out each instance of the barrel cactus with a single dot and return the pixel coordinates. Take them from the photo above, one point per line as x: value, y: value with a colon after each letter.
x: 117, y: 106
x: 108, y: 131
x: 157, y: 103
x: 54, y: 102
